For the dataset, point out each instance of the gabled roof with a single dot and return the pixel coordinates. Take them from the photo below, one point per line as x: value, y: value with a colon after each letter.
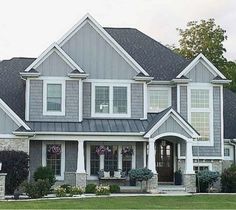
x: 54, y: 48
x: 211, y: 67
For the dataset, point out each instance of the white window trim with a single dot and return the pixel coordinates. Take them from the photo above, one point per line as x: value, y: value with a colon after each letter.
x: 111, y: 114
x: 231, y: 152
x: 158, y: 88
x: 203, y: 164
x: 88, y: 145
x: 53, y: 113
x: 44, y: 156
x: 209, y: 87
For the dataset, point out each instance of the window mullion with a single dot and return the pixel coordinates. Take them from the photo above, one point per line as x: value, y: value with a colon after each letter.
x: 111, y: 99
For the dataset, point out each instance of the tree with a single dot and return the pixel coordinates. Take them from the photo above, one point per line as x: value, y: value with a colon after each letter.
x: 203, y: 37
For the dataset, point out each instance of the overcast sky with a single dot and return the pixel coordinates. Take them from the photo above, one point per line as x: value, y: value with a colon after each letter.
x: 27, y: 27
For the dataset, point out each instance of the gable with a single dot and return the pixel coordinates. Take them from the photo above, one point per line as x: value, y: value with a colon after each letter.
x: 54, y: 65
x: 96, y: 56
x: 170, y: 126
x: 200, y: 73
x: 7, y: 125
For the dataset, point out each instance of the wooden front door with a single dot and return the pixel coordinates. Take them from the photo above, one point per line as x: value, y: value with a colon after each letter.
x: 164, y: 160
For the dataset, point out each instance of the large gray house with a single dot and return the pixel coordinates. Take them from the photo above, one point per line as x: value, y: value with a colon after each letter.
x: 113, y: 99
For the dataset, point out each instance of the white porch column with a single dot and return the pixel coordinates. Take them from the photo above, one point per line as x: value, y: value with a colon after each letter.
x: 80, y: 157
x: 189, y: 158
x: 151, y: 156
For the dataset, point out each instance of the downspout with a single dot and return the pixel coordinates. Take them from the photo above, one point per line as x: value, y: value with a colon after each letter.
x: 233, y: 143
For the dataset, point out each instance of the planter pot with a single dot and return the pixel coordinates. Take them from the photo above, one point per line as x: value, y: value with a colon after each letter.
x: 178, y: 179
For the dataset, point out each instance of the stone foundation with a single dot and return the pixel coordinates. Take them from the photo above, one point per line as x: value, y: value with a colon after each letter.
x: 189, y: 182
x: 2, y: 186
x: 152, y: 184
x: 80, y: 179
x: 15, y: 144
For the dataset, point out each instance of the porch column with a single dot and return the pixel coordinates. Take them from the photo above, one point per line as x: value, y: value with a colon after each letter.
x: 80, y: 178
x: 151, y: 156
x: 189, y: 158
x: 189, y: 176
x: 80, y: 157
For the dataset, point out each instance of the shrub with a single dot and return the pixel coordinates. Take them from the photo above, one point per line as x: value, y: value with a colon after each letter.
x: 102, y: 190
x: 36, y: 189
x: 206, y: 179
x: 76, y: 191
x: 67, y: 187
x: 16, y: 165
x: 114, y: 188
x: 44, y: 173
x: 228, y: 180
x: 90, y: 188
x: 60, y: 192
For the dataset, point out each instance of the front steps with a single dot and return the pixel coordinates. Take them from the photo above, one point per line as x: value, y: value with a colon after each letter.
x: 171, y: 189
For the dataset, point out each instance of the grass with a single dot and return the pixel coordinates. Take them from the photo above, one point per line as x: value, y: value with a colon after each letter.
x: 145, y: 202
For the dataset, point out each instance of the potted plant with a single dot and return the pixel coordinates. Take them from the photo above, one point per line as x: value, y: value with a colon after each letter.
x: 178, y: 177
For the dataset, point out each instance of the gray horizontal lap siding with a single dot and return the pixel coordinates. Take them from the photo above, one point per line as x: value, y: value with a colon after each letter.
x: 139, y: 155
x: 71, y: 103
x: 211, y: 151
x: 87, y: 99
x: 95, y: 55
x: 7, y: 125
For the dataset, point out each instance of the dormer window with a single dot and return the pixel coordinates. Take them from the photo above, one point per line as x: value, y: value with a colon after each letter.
x: 111, y: 100
x: 54, y: 97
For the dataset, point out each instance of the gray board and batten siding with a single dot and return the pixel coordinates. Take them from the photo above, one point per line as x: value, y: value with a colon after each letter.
x: 7, y: 125
x: 96, y: 57
x: 71, y: 102
x: 215, y: 150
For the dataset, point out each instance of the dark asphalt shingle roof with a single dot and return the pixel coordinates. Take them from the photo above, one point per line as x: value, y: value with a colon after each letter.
x: 12, y: 87
x: 157, y: 60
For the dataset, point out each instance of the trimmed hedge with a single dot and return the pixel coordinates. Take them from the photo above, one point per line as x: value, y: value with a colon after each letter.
x: 16, y: 165
x: 228, y: 180
x: 45, y: 173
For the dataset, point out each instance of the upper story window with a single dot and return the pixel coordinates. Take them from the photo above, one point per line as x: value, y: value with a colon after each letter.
x: 159, y: 98
x: 54, y: 97
x: 228, y: 152
x: 110, y: 100
x: 200, y: 110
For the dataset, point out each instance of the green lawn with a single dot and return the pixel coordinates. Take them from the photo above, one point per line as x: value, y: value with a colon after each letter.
x: 150, y: 202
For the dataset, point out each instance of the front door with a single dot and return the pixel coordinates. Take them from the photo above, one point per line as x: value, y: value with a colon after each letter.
x: 164, y: 160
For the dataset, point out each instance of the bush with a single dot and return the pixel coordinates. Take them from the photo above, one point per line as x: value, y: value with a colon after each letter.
x: 37, y: 189
x: 90, y: 188
x: 228, y: 180
x: 67, y: 187
x: 45, y: 173
x: 140, y: 174
x: 16, y: 165
x: 76, y: 191
x: 60, y: 192
x: 206, y: 179
x: 114, y: 188
x: 102, y: 190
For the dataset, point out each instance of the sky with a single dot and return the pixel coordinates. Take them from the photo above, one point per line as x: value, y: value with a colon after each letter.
x: 28, y: 27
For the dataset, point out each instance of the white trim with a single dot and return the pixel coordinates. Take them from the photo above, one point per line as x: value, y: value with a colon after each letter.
x: 213, y: 70
x: 226, y: 81
x: 89, y: 19
x: 54, y: 48
x: 111, y: 114
x: 158, y: 88
x: 53, y: 113
x: 203, y: 164
x: 30, y: 74
x: 203, y: 86
x: 144, y: 154
x: 80, y: 100
x: 222, y: 119
x: 13, y: 115
x: 27, y: 99
x: 231, y: 152
x: 11, y: 136
x: 145, y: 103
x: 178, y: 119
x: 171, y: 134
x: 113, y: 81
x: 44, y: 163
x: 178, y: 97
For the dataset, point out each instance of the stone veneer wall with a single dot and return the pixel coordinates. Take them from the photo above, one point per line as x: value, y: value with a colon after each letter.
x: 15, y: 144
x: 2, y: 186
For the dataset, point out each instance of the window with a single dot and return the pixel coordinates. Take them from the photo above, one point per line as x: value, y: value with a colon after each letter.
x: 226, y: 152
x: 110, y: 100
x: 53, y: 156
x: 127, y: 158
x: 158, y: 99
x: 111, y: 159
x: 94, y: 161
x: 200, y: 168
x: 54, y: 97
x: 200, y: 111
